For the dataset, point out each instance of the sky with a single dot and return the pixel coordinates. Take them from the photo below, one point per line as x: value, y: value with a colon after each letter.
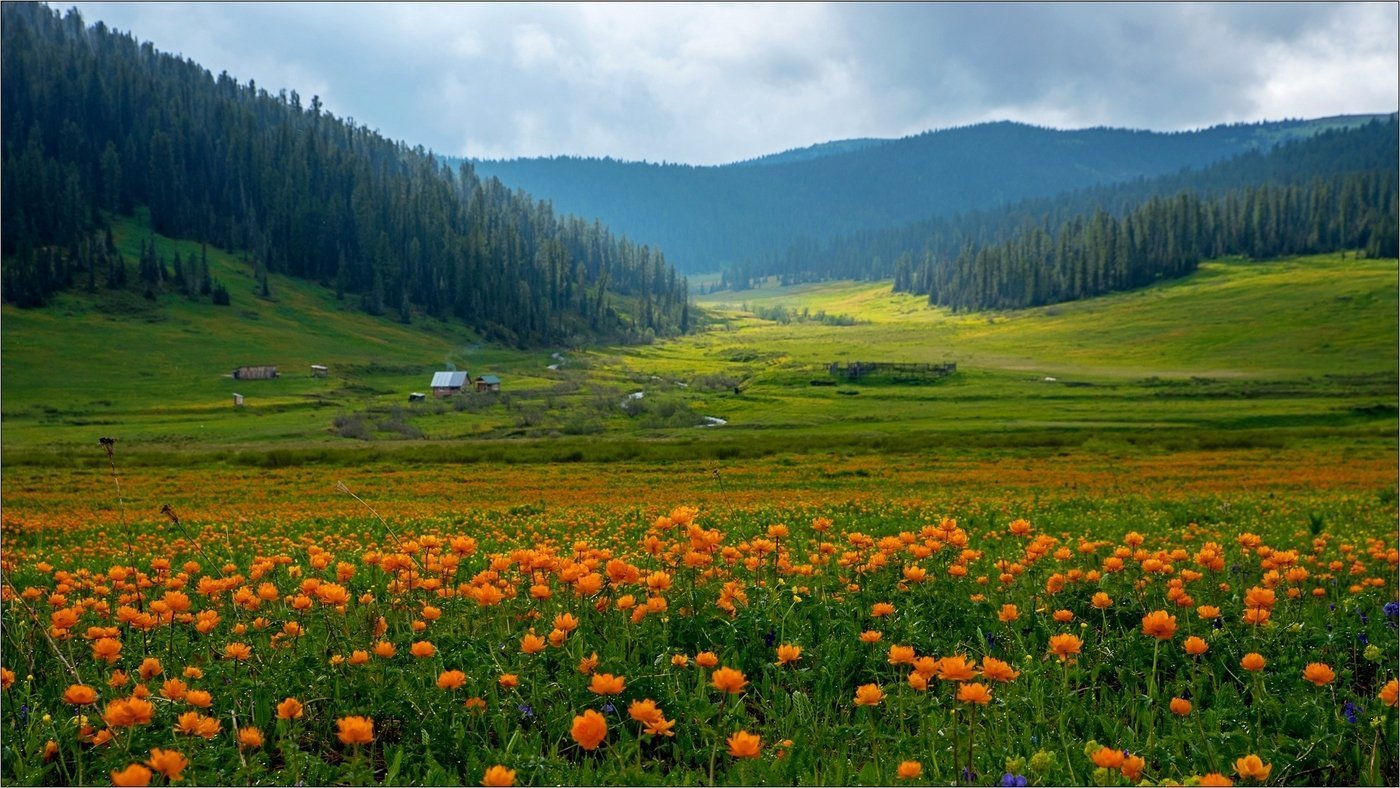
x: 715, y: 83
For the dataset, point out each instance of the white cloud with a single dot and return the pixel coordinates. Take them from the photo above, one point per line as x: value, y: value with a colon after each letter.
x: 707, y: 83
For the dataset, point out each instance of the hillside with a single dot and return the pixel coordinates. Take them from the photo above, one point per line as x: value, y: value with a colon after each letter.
x: 708, y: 217
x: 98, y: 125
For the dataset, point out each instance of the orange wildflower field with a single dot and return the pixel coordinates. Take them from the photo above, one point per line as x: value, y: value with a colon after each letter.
x: 1193, y: 618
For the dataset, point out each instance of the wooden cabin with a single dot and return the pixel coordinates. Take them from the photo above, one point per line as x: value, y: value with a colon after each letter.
x: 488, y: 383
x: 445, y: 384
x: 319, y: 371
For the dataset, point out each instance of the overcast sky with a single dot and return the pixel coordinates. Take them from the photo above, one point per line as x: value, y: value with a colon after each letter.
x: 706, y: 84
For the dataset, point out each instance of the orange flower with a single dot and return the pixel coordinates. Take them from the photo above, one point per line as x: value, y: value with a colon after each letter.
x: 383, y: 649
x: 1008, y: 614
x: 974, y: 693
x: 996, y: 670
x: 1063, y: 616
x: 237, y: 651
x: 250, y: 738
x: 1251, y: 767
x: 1195, y: 646
x: 108, y: 650
x: 359, y: 656
x: 451, y: 679
x: 1132, y: 766
x: 150, y: 668
x: 606, y: 684
x: 1102, y: 601
x: 532, y: 643
x: 729, y: 680
x: 1259, y: 598
x: 880, y: 609
x: 870, y: 636
x: 1208, y: 612
x: 1065, y: 645
x: 1215, y: 780
x: 355, y: 730
x: 1159, y: 624
x: 1108, y: 758
x: 1319, y: 673
x: 498, y: 776
x: 588, y: 663
x: 909, y: 770
x: 192, y: 723
x: 199, y: 698
x: 508, y: 680
x: 168, y: 762
x: 128, y: 712
x: 289, y: 709
x: 918, y: 681
x: 680, y: 660
x: 7, y: 677
x: 956, y: 668
x: 589, y: 729
x: 869, y: 695
x: 706, y: 659
x: 174, y: 689
x: 644, y: 710
x: 134, y: 775
x: 660, y: 727
x: 788, y: 654
x: 1180, y: 706
x: 422, y: 649
x: 80, y: 695
x: 1390, y: 693
x: 744, y: 745
x: 901, y: 655
x: 1253, y: 662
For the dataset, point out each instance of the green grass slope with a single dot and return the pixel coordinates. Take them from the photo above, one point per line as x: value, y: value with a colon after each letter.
x: 1241, y: 352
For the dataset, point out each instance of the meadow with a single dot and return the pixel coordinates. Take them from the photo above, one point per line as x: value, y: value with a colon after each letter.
x: 1143, y: 538
x: 1240, y: 354
x: 855, y: 621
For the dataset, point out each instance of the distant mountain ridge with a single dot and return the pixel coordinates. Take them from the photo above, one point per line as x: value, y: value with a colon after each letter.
x: 708, y: 217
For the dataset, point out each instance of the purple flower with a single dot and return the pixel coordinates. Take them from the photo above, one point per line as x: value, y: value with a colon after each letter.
x: 1349, y: 711
x: 1010, y: 780
x: 526, y: 711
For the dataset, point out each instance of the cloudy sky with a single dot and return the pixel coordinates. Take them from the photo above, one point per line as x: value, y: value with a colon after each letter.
x: 707, y: 84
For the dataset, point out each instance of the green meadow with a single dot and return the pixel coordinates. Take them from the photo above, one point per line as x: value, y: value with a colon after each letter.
x: 1240, y: 353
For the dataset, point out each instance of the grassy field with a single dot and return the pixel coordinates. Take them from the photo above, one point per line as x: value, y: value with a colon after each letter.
x: 1144, y: 537
x: 1242, y: 353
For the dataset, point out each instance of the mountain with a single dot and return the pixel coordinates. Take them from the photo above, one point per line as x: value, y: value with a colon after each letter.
x: 707, y: 218
x: 97, y: 125
x: 1339, y: 150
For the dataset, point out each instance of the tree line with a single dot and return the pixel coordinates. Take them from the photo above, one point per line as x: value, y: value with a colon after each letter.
x: 1332, y: 191
x: 97, y: 124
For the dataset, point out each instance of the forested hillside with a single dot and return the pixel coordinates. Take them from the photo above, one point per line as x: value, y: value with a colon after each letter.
x: 1334, y: 188
x: 96, y: 123
x: 708, y: 218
